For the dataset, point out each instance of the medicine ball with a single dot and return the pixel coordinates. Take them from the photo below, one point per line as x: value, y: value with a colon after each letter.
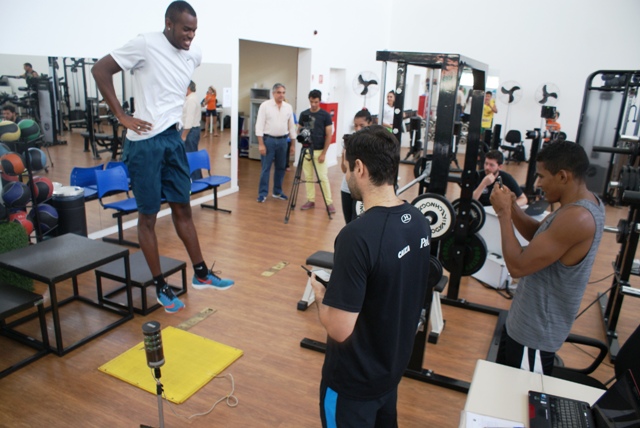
x: 29, y: 130
x: 9, y: 131
x: 48, y: 217
x: 20, y: 217
x: 12, y: 164
x: 37, y: 158
x: 43, y: 188
x: 4, y: 149
x: 6, y: 179
x: 16, y: 195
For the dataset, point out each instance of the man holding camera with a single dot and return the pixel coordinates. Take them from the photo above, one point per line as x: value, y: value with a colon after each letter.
x: 319, y: 124
x: 555, y: 266
x: 274, y: 125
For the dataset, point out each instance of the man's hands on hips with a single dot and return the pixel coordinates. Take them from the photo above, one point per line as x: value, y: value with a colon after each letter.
x: 138, y: 126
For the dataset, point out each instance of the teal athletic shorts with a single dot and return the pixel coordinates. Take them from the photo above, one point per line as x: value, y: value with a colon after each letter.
x: 158, y: 169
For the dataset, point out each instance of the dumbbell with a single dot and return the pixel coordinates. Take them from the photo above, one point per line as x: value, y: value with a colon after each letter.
x: 622, y: 230
x: 629, y: 179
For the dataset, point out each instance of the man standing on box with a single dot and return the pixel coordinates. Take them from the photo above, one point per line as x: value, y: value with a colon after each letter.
x: 372, y: 303
x: 162, y: 64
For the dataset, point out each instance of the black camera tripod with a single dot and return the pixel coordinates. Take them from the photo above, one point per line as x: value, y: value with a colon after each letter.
x: 306, y: 149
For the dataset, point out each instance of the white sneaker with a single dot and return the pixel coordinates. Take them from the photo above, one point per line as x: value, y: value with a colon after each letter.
x: 227, y: 156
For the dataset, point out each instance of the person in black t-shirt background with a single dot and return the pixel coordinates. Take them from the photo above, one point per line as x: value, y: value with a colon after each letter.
x: 378, y: 287
x: 486, y: 179
x: 319, y: 122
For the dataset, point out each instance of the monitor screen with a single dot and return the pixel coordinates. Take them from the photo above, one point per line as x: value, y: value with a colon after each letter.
x: 620, y: 406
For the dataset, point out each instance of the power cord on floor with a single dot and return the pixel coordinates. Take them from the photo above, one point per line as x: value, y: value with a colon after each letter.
x: 232, y: 400
x: 600, y: 280
x: 597, y: 299
x: 507, y: 294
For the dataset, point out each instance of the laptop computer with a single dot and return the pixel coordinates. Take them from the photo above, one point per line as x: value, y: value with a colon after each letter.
x: 618, y: 407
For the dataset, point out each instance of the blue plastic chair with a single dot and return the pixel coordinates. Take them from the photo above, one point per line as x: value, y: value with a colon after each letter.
x: 113, y: 181
x: 196, y: 187
x: 115, y: 164
x: 85, y: 177
x: 200, y: 160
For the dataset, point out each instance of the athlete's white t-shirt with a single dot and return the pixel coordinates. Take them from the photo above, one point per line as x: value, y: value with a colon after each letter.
x: 160, y: 76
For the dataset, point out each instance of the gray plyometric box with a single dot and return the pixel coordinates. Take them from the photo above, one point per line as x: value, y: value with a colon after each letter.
x: 494, y: 272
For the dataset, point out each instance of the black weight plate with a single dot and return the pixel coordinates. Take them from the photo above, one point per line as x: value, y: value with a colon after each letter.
x: 435, y: 273
x: 473, y: 253
x: 477, y: 216
x: 438, y: 210
x: 621, y: 234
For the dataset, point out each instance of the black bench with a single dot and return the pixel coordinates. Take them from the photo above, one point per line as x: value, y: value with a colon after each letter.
x: 140, y: 277
x: 14, y: 300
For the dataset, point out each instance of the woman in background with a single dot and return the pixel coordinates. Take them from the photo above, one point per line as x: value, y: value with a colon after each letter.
x: 362, y: 119
x: 387, y: 113
x: 209, y: 102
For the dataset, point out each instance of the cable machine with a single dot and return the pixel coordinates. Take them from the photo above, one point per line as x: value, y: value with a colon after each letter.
x: 609, y: 117
x: 76, y: 89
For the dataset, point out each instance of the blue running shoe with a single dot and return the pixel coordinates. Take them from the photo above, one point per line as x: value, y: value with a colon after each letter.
x: 281, y: 196
x: 212, y: 281
x: 169, y: 300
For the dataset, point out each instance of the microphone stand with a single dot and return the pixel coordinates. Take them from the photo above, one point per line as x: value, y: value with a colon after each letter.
x: 159, y: 391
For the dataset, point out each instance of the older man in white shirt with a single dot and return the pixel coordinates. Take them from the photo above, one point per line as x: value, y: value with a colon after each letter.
x: 274, y: 125
x: 191, y: 118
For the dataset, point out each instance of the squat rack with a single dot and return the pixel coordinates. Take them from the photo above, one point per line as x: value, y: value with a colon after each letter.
x: 451, y: 67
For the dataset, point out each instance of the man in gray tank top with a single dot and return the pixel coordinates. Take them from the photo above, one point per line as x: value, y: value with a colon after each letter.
x: 555, y: 267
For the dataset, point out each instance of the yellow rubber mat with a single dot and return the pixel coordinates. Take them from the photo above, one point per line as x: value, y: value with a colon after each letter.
x: 190, y: 362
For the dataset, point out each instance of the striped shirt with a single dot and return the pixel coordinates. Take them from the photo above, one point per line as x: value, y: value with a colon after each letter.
x: 546, y: 302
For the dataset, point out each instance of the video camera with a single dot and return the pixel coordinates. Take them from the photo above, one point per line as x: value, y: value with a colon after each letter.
x: 304, y: 137
x: 548, y: 112
x: 536, y: 133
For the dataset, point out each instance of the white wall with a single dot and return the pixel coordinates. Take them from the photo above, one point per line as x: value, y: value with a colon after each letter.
x: 529, y: 42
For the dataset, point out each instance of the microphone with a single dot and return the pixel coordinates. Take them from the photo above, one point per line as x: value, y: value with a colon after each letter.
x: 153, y: 344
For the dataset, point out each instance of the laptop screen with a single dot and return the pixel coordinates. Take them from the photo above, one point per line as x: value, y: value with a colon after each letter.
x: 619, y: 406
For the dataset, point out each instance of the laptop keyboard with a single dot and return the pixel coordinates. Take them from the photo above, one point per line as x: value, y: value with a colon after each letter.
x: 567, y: 413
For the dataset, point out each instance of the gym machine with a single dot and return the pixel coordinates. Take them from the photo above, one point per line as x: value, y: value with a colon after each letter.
x: 75, y: 91
x: 462, y: 251
x: 110, y: 143
x: 627, y: 235
x: 451, y: 231
x: 609, y: 115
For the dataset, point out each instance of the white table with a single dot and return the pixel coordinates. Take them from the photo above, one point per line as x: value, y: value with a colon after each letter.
x: 502, y: 392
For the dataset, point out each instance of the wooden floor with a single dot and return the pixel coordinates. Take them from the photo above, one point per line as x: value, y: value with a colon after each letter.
x: 276, y: 381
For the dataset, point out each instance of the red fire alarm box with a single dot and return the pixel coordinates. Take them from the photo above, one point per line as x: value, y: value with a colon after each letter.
x: 332, y: 109
x: 422, y: 106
